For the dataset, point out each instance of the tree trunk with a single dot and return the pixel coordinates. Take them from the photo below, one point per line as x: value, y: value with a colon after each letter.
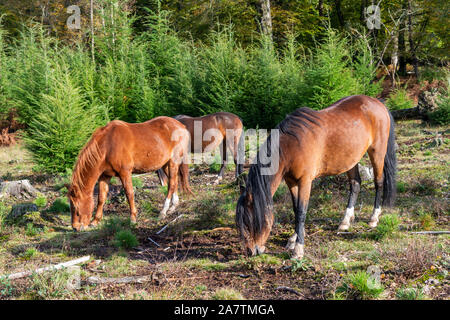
x: 412, y: 47
x: 340, y: 16
x: 394, y: 58
x: 362, y: 16
x: 92, y: 31
x: 320, y: 8
x: 266, y: 18
x: 401, y: 46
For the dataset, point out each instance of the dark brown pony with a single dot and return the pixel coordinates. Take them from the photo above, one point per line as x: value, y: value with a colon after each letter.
x: 120, y: 149
x: 218, y: 128
x: 312, y: 144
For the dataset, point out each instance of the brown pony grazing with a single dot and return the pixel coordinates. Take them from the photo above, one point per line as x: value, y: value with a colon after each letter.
x: 312, y: 144
x: 120, y: 149
x: 208, y: 132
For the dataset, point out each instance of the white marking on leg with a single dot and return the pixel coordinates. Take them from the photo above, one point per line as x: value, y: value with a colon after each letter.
x: 175, y: 199
x: 291, y: 242
x: 165, y: 208
x: 298, y: 251
x: 348, y: 218
x: 374, y: 219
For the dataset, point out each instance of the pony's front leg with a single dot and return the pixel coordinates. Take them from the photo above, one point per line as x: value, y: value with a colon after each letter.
x: 125, y: 177
x: 355, y: 186
x: 223, y: 156
x: 103, y: 189
x: 300, y: 217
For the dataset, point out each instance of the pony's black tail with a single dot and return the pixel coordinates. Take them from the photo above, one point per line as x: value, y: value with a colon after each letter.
x: 390, y: 169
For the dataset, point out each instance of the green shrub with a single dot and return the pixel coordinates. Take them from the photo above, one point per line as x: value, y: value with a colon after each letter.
x: 387, y: 225
x: 125, y: 239
x: 40, y: 201
x: 328, y: 75
x: 361, y: 285
x: 442, y: 114
x: 114, y: 225
x: 60, y: 205
x: 399, y: 99
x: 62, y: 123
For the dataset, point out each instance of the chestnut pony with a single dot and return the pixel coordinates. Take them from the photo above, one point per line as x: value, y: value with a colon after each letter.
x: 312, y: 144
x: 120, y: 149
x: 207, y: 132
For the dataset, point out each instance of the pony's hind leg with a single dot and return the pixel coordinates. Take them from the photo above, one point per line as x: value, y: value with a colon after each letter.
x: 162, y: 176
x: 355, y: 186
x: 172, y: 195
x: 377, y: 159
x: 103, y: 189
x: 125, y: 177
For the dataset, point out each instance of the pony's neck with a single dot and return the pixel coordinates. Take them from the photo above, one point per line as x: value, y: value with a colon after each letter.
x: 276, y: 179
x: 86, y: 178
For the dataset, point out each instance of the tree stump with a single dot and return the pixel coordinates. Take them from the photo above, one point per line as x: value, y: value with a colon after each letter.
x: 18, y: 189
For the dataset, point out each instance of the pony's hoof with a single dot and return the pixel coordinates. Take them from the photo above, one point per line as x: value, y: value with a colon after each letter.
x: 373, y: 223
x: 290, y: 245
x: 344, y: 227
x: 291, y: 242
x: 171, y: 209
x: 298, y: 251
x: 162, y: 215
x: 93, y: 225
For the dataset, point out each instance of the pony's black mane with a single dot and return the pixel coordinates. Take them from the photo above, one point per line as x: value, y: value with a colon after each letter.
x: 259, y: 185
x: 301, y: 118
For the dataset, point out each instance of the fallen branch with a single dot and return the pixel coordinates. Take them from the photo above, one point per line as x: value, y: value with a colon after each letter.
x: 164, y: 228
x: 156, y: 243
x: 431, y: 232
x: 49, y: 268
x: 283, y: 288
x: 136, y: 279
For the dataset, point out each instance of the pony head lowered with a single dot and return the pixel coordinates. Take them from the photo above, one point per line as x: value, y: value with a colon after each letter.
x: 254, y: 217
x: 254, y: 210
x: 80, y: 198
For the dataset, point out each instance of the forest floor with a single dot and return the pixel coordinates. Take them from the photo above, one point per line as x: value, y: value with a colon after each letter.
x: 199, y: 256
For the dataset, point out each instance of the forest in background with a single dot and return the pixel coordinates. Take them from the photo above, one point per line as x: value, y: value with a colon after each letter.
x: 134, y: 60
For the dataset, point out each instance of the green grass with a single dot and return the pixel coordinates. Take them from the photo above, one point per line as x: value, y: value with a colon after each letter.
x: 227, y: 294
x: 206, y: 264
x: 410, y: 294
x: 361, y: 285
x: 29, y: 254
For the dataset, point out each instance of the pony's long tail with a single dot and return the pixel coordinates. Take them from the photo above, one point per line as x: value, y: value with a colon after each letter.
x: 184, y: 178
x: 390, y: 169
